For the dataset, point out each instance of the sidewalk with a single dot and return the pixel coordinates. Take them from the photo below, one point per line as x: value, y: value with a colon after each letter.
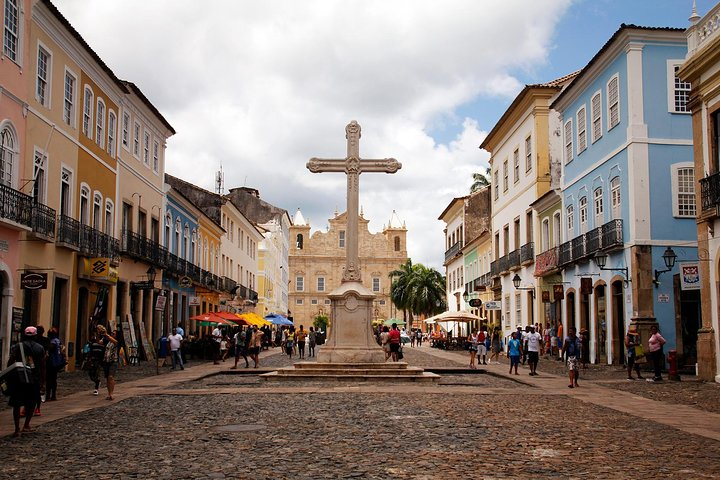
x: 682, y: 417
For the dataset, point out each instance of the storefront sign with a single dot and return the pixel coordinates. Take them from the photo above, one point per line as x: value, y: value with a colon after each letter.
x: 663, y: 298
x: 586, y: 286
x: 185, y: 282
x: 493, y: 305
x: 690, y: 276
x: 475, y: 302
x: 160, y: 302
x: 33, y: 281
x: 558, y: 292
x: 546, y: 296
x: 194, y: 301
x: 98, y: 270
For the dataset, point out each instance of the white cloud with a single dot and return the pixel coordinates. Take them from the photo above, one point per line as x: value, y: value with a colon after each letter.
x: 262, y: 86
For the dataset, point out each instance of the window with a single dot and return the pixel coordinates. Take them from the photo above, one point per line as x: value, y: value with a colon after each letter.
x: 300, y: 284
x: 613, y: 99
x: 516, y: 166
x: 615, y: 197
x: 321, y: 284
x: 40, y: 177
x: 126, y: 130
x: 568, y: 142
x: 376, y: 284
x: 111, y: 133
x: 8, y: 155
x: 545, y: 235
x: 11, y: 31
x: 505, y: 175
x: 136, y: 140
x: 582, y: 205
x: 100, y: 124
x: 556, y: 229
x: 341, y: 239
x: 313, y: 301
x: 327, y: 302
x: 109, y: 210
x: 598, y: 206
x: 298, y: 301
x: 156, y: 163
x: 518, y: 309
x: 97, y: 203
x: 507, y: 312
x: 65, y: 179
x: 178, y: 228
x: 146, y: 148
x: 581, y: 132
x: 87, y: 112
x: 193, y: 246
x: 69, y: 101
x: 528, y: 154
x: 396, y: 241
x: 596, y: 114
x: 570, y: 215
x: 84, y: 205
x: 679, y: 90
x: 683, y: 177
x: 168, y: 226
x: 42, y: 81
x: 186, y: 243
x: 497, y: 184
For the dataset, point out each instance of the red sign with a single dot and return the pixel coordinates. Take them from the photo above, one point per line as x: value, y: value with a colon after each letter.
x: 558, y: 292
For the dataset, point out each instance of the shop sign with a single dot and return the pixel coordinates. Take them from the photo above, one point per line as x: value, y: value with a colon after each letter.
x: 558, y: 292
x: 690, y: 276
x: 475, y: 302
x: 160, y: 302
x: 185, y: 282
x: 493, y: 305
x: 33, y: 281
x: 194, y: 301
x: 663, y: 298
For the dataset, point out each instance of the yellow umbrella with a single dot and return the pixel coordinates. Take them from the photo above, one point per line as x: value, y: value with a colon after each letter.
x: 253, y: 319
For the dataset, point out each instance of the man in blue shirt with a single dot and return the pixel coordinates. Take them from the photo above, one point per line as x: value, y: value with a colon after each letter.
x: 514, y: 352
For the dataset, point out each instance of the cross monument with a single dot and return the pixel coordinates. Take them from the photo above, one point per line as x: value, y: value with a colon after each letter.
x: 351, y: 339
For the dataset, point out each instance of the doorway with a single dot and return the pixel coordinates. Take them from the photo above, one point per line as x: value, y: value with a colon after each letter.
x: 80, y: 326
x: 688, y: 319
x: 618, y: 334
x: 601, y: 324
x: 570, y: 309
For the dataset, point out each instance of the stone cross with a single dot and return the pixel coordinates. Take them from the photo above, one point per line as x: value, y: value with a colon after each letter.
x: 352, y: 166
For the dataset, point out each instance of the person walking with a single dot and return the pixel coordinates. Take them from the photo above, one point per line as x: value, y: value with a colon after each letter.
x: 175, y: 341
x: 472, y: 341
x: 632, y: 341
x: 256, y: 341
x: 300, y: 337
x: 240, y: 347
x: 394, y: 341
x: 572, y: 350
x: 312, y: 340
x: 290, y: 341
x: 514, y: 348
x: 26, y: 393
x: 94, y: 361
x: 495, y: 346
x: 534, y: 343
x: 385, y: 341
x: 55, y: 363
x: 217, y: 336
x: 655, y: 348
x: 481, y: 348
x: 110, y: 358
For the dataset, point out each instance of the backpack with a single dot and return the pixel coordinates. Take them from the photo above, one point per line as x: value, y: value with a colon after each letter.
x: 57, y: 355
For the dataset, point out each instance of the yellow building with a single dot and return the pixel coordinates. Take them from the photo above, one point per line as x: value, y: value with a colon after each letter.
x: 317, y: 261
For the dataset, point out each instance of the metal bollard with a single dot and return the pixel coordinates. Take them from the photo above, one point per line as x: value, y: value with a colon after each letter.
x: 673, y: 370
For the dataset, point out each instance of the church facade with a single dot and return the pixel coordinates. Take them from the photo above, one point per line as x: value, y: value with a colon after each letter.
x: 317, y: 261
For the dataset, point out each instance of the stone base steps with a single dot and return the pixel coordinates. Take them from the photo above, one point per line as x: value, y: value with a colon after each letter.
x: 394, y: 372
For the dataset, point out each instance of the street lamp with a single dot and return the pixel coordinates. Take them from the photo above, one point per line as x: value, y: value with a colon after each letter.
x: 669, y: 258
x: 601, y: 260
x: 516, y: 283
x: 151, y: 274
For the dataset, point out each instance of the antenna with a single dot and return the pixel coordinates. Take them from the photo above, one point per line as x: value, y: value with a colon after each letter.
x: 219, y: 181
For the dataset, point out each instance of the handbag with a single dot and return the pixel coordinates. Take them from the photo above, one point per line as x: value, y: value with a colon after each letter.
x: 639, y: 352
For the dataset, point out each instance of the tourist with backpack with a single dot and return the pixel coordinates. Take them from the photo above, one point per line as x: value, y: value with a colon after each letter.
x: 56, y: 362
x: 25, y: 391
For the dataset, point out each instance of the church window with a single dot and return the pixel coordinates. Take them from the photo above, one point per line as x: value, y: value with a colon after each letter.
x: 299, y: 241
x: 321, y: 284
x: 397, y: 243
x: 376, y: 284
x: 341, y: 242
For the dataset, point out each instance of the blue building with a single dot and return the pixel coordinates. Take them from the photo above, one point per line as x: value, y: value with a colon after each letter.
x: 628, y: 194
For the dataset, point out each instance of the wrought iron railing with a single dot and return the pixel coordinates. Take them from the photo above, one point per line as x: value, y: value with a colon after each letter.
x: 94, y: 243
x: 503, y: 264
x: 453, y: 251
x: 593, y: 240
x: 15, y: 206
x: 513, y: 259
x: 68, y: 232
x: 494, y: 268
x: 612, y: 234
x: 565, y: 254
x: 578, y: 247
x: 710, y: 191
x: 43, y: 221
x: 527, y: 253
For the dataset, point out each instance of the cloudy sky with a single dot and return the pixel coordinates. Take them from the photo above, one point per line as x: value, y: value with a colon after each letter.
x: 260, y: 86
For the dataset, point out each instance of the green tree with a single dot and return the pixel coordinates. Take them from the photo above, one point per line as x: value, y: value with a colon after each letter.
x: 417, y: 290
x: 480, y: 180
x: 320, y: 322
x: 399, y: 292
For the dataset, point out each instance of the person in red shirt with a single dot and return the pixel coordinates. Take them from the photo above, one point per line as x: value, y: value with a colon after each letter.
x: 394, y: 340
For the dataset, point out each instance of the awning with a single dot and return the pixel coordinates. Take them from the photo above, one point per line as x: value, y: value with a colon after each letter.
x: 213, y: 318
x: 253, y: 319
x: 276, y: 319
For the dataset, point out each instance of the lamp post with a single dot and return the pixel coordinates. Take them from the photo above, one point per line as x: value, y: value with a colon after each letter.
x: 601, y: 260
x: 669, y: 258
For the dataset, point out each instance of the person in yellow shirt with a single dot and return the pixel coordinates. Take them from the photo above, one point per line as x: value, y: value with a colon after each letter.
x: 290, y: 341
x: 300, y: 336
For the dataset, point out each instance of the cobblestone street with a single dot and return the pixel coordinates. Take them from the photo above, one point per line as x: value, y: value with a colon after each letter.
x: 197, y: 424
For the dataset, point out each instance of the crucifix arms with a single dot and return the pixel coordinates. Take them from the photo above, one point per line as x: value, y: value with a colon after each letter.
x: 387, y: 165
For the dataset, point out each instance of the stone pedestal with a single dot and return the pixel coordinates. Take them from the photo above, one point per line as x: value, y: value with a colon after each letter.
x: 706, y: 355
x: 350, y: 338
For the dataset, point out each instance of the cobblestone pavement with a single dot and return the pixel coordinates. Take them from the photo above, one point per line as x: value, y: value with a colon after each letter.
x: 471, y: 425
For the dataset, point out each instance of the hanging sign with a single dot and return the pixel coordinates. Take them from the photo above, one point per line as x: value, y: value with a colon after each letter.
x: 160, y: 302
x: 493, y: 305
x: 185, y: 282
x: 558, y: 292
x: 194, y: 301
x: 33, y: 281
x: 690, y: 276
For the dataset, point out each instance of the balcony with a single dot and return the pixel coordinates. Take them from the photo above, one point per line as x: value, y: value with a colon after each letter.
x: 453, y: 251
x: 228, y: 284
x: 578, y: 245
x: 94, y: 243
x: 710, y: 191
x: 547, y: 262
x: 607, y: 237
x: 565, y: 254
x: 68, y: 232
x: 486, y: 279
x: 527, y: 253
x: 503, y: 265
x: 43, y: 222
x: 513, y: 259
x: 15, y: 206
x: 594, y: 240
x: 141, y: 248
x: 495, y: 268
x: 612, y: 235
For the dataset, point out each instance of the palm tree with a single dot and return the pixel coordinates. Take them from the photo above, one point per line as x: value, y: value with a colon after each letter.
x: 427, y: 288
x: 480, y: 180
x: 399, y: 292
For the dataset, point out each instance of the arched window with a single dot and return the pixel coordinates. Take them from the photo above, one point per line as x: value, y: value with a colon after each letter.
x: 193, y: 246
x: 570, y: 217
x: 111, y: 133
x: 396, y: 241
x: 583, y: 214
x: 598, y: 207
x: 556, y: 229
x: 109, y: 217
x: 168, y: 226
x: 299, y: 241
x: 545, y: 238
x: 97, y: 205
x: 87, y: 112
x: 85, y: 205
x: 615, y: 197
x: 8, y: 155
x: 178, y: 226
x: 100, y: 124
x: 186, y: 242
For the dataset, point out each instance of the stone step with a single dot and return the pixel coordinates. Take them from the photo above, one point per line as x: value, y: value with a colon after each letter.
x: 350, y: 371
x: 350, y: 376
x: 391, y: 366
